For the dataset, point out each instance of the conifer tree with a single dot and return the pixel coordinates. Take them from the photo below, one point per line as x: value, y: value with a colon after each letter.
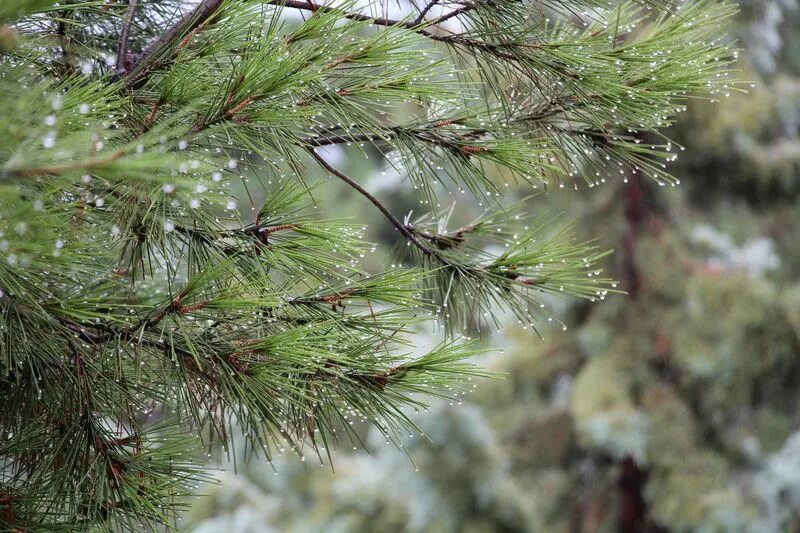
x: 145, y: 316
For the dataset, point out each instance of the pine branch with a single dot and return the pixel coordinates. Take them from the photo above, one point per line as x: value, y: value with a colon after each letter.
x: 189, y: 183
x: 207, y: 8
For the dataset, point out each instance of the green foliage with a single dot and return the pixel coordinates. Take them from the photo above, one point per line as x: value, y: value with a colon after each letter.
x: 150, y: 304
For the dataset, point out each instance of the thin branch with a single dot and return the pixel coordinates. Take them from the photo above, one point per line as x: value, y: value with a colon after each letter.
x: 382, y: 208
x: 334, y: 137
x: 453, y: 39
x: 106, y: 333
x: 338, y: 136
x: 456, y: 12
x: 425, y: 11
x: 496, y: 49
x: 307, y: 5
x: 63, y: 62
x: 427, y: 135
x: 122, y: 47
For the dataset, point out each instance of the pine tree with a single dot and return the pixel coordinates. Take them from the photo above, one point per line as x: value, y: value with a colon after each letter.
x: 146, y: 317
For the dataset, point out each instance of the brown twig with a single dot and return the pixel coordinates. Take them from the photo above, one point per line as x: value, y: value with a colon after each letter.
x: 239, y: 107
x: 456, y: 12
x: 425, y: 11
x: 105, y: 333
x: 122, y: 47
x: 407, y: 233
x: 305, y: 5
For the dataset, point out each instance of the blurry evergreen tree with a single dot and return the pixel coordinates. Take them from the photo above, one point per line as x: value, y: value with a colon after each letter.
x: 148, y: 310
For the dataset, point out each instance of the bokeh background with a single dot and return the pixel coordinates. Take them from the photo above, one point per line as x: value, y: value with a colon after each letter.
x: 674, y: 408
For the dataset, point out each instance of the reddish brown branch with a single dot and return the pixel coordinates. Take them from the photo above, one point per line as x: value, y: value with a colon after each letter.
x: 186, y: 309
x: 634, y: 217
x: 239, y: 107
x: 631, y: 506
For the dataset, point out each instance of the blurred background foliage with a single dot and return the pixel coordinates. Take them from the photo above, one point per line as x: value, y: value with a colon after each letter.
x: 674, y: 408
